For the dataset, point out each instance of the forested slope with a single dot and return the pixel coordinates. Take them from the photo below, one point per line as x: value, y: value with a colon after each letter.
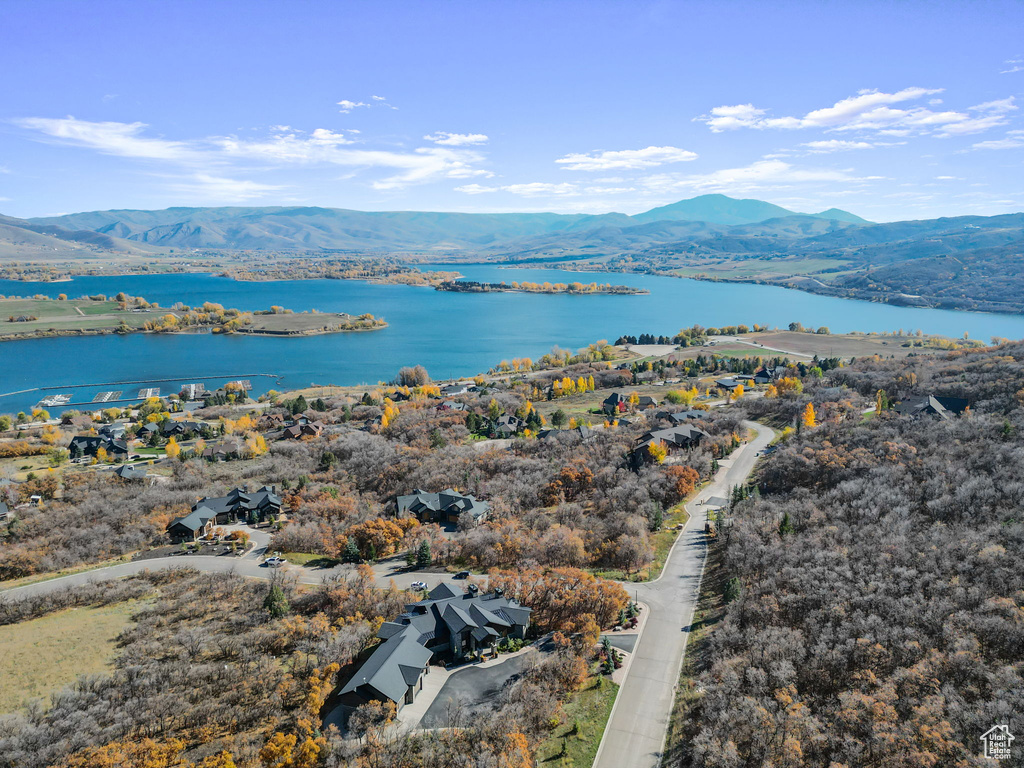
x: 879, y: 620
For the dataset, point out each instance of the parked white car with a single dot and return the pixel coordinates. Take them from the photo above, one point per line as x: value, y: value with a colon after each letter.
x: 418, y: 586
x: 275, y: 562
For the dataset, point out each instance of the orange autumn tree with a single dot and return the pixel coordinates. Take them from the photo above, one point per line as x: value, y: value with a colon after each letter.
x: 809, y: 419
x: 561, y: 597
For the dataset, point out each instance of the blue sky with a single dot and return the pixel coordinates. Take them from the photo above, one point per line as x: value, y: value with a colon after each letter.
x: 890, y: 110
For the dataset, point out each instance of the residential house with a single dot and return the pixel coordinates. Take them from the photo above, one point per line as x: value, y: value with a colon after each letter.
x: 767, y: 374
x: 114, y: 431
x: 241, y: 505
x: 929, y: 405
x: 460, y: 388
x: 299, y: 431
x: 616, y: 402
x: 508, y: 426
x: 184, y: 429
x: 727, y: 384
x: 89, y: 445
x: 230, y: 448
x: 645, y: 402
x: 583, y: 432
x: 449, y: 624
x: 681, y: 417
x: 444, y: 507
x: 128, y: 472
x: 195, y: 525
x: 674, y: 438
x: 452, y: 405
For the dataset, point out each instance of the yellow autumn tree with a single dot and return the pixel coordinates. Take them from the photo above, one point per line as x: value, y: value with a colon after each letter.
x: 657, y: 451
x: 738, y: 392
x: 809, y: 419
x: 220, y: 760
x: 771, y: 391
x: 172, y: 449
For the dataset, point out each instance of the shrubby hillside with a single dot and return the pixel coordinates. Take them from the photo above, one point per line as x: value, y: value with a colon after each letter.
x: 878, y: 617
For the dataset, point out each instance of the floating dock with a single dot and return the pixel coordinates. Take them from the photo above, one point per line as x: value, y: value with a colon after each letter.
x: 106, y: 397
x: 147, y: 393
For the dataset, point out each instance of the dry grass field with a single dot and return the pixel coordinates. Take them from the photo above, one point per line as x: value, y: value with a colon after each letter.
x: 43, y: 655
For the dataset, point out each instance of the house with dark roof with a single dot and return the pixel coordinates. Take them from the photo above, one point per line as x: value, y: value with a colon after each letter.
x: 727, y: 384
x: 645, y: 402
x: 767, y: 374
x: 508, y: 426
x: 444, y: 507
x: 681, y: 417
x: 929, y: 405
x: 181, y: 428
x: 195, y: 525
x: 583, y: 432
x: 239, y: 505
x: 308, y: 429
x: 616, y: 402
x: 448, y: 624
x: 89, y: 445
x: 675, y: 438
x: 128, y: 472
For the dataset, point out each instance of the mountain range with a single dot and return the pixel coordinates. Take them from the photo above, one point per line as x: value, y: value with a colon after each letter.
x: 311, y: 228
x: 962, y: 262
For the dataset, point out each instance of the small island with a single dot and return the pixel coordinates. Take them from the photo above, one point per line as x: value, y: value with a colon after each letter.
x: 576, y: 289
x: 43, y: 316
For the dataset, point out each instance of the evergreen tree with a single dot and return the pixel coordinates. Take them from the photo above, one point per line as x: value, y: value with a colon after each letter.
x: 786, y: 525
x: 656, y: 518
x: 275, y: 603
x: 731, y: 591
x: 559, y: 418
x: 351, y: 552
x: 423, y: 556
x: 319, y: 405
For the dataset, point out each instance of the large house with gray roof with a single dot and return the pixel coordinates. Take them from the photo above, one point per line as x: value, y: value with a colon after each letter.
x: 449, y: 624
x: 444, y: 507
x: 240, y: 505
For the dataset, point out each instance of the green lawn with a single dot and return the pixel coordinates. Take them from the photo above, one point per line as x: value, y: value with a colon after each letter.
x: 43, y: 655
x: 574, y: 743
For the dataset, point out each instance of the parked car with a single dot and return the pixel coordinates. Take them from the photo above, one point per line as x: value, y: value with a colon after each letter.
x: 462, y: 575
x: 275, y: 562
x: 472, y: 589
x: 418, y: 586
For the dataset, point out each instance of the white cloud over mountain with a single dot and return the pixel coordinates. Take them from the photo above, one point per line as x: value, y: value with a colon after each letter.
x: 625, y: 159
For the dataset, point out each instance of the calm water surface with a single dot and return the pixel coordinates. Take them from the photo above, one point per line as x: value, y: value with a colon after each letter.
x: 451, y: 334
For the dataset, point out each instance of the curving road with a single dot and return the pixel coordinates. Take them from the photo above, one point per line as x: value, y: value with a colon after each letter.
x: 638, y: 725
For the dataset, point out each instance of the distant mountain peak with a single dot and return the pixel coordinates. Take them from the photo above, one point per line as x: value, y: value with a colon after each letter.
x: 722, y: 209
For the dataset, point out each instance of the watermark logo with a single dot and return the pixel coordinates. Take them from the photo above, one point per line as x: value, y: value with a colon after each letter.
x: 996, y: 741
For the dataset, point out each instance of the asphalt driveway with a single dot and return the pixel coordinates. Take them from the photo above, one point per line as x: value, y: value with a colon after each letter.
x: 473, y: 686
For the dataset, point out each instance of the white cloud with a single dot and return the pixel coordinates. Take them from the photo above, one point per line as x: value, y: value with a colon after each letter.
x: 760, y: 175
x: 1013, y: 140
x: 347, y: 106
x: 1013, y: 65
x: 869, y: 110
x: 203, y: 186
x: 836, y: 145
x: 291, y: 147
x: 379, y: 98
x: 110, y: 138
x: 625, y: 159
x: 456, y: 139
x: 532, y: 189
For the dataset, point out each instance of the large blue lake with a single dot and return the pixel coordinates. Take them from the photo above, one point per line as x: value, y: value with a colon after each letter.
x: 451, y: 334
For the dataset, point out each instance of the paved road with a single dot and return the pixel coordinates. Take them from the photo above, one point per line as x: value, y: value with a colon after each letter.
x: 635, y: 736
